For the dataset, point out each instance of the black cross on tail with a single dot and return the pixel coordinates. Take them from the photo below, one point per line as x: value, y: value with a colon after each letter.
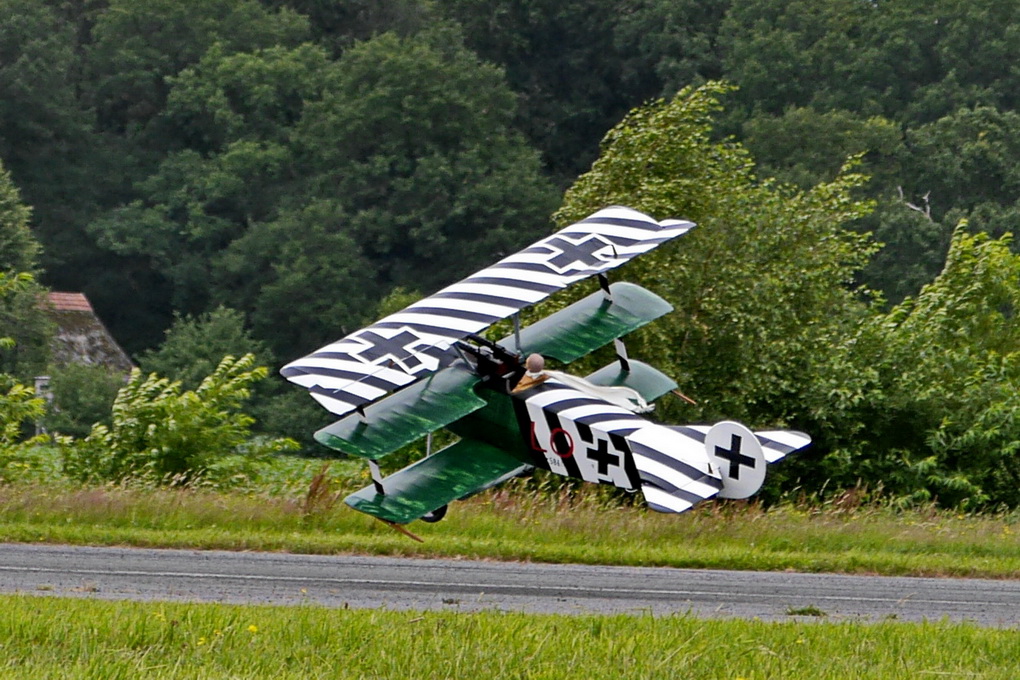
x: 734, y: 456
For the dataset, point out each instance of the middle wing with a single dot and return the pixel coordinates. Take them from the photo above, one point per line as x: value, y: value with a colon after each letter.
x: 401, y: 348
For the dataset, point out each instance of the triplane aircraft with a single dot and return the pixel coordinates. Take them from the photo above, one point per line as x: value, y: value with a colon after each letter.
x: 426, y: 367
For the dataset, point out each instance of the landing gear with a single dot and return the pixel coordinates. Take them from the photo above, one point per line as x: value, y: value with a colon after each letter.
x: 435, y: 515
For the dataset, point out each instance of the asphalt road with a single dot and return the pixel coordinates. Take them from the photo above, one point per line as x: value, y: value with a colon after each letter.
x: 455, y: 585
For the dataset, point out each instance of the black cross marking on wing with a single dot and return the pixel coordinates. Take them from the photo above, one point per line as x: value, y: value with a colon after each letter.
x: 579, y: 255
x: 734, y: 456
x: 603, y: 456
x: 396, y: 348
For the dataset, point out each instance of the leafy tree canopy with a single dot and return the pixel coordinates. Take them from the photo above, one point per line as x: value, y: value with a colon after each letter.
x: 758, y: 286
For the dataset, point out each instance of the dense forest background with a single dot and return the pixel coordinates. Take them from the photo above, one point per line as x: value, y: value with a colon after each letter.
x: 268, y: 175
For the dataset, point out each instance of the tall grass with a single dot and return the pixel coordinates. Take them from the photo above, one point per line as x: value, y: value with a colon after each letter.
x: 66, y: 638
x: 520, y: 524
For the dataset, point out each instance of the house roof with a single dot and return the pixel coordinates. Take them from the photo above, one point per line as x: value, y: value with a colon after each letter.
x: 81, y: 337
x: 70, y: 302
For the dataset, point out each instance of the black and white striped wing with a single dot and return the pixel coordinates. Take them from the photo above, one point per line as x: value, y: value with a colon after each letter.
x: 394, y: 352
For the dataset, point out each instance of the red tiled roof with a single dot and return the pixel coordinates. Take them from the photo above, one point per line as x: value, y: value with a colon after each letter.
x: 70, y: 302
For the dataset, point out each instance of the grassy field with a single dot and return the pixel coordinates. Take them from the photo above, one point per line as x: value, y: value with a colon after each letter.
x: 532, y: 527
x: 43, y: 637
x: 56, y: 638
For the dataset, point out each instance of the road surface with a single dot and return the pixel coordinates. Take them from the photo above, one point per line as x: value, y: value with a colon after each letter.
x: 462, y: 585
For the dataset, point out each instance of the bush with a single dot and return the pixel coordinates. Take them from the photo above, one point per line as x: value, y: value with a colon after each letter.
x: 20, y: 408
x: 82, y: 396
x: 164, y: 435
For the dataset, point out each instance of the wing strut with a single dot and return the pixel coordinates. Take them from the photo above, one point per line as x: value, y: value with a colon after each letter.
x: 373, y: 466
x: 604, y: 285
x: 621, y: 354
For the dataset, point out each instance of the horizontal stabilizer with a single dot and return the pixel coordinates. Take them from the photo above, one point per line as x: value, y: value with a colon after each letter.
x: 591, y: 322
x: 405, y: 416
x: 459, y: 470
x: 649, y: 382
x: 674, y: 471
x: 774, y: 443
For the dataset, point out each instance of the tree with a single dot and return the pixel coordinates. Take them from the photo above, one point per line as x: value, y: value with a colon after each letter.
x: 415, y: 136
x: 81, y: 396
x: 24, y: 327
x: 929, y: 409
x: 761, y: 287
x: 306, y: 176
x: 18, y: 248
x: 665, y: 45
x: 338, y: 25
x: 804, y: 146
x: 194, y: 346
x: 45, y: 139
x: 137, y: 46
x: 561, y: 60
x: 965, y: 159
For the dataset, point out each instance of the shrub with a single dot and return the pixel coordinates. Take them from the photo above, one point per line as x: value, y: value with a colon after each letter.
x: 162, y: 434
x: 82, y: 396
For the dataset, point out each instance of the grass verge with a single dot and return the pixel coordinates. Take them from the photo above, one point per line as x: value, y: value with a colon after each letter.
x: 507, y: 526
x: 76, y: 638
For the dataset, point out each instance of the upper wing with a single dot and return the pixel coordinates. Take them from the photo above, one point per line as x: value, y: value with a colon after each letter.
x: 394, y: 352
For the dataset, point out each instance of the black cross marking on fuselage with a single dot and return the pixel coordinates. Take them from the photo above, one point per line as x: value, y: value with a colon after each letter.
x: 395, y: 347
x: 734, y: 456
x: 574, y: 253
x: 603, y: 457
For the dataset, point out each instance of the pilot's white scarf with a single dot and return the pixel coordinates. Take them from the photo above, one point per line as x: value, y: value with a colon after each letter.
x: 624, y: 397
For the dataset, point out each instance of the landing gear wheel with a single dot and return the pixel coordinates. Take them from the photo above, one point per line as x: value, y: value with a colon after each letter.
x: 435, y: 515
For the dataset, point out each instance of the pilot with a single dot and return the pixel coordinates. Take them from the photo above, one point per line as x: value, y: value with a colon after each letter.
x: 534, y: 374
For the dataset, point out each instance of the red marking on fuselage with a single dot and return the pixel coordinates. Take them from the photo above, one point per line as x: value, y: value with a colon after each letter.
x: 569, y: 443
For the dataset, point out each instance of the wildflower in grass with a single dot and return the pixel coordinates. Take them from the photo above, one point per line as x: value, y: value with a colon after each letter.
x: 202, y: 641
x: 253, y: 628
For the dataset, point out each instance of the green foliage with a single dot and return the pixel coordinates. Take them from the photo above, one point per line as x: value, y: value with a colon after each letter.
x: 301, y: 174
x: 45, y: 139
x: 965, y: 159
x: 760, y: 287
x: 82, y: 396
x: 24, y: 326
x: 194, y: 346
x: 18, y: 249
x: 777, y: 144
x: 165, y: 435
x: 920, y: 404
x: 136, y: 46
x: 20, y: 410
x: 19, y: 406
x: 415, y: 136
